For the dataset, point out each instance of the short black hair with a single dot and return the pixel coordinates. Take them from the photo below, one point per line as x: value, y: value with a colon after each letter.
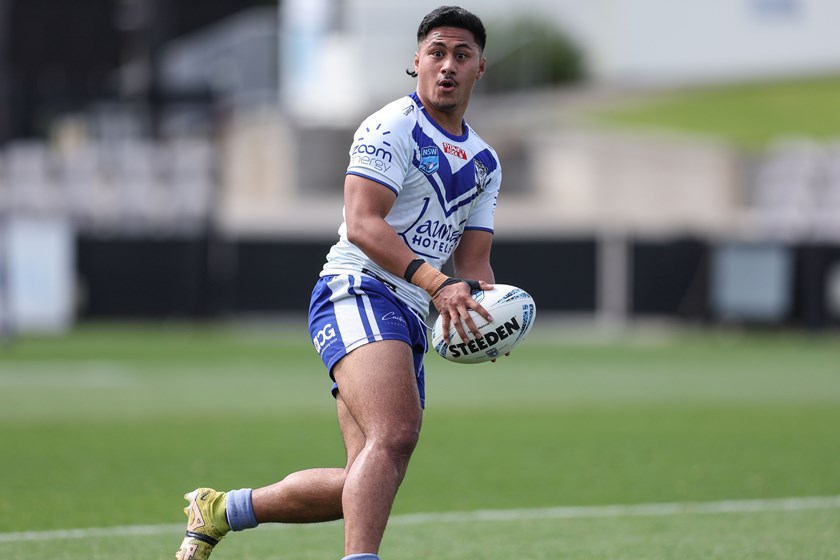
x: 451, y: 16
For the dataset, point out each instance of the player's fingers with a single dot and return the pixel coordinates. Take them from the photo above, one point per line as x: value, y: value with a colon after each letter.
x: 469, y: 321
x: 459, y: 325
x: 481, y: 311
x: 445, y: 330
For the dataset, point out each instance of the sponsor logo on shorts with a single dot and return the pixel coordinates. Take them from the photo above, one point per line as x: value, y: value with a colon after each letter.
x: 324, y: 337
x: 393, y: 317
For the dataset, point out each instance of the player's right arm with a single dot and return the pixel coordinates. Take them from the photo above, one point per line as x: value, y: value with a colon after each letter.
x: 366, y: 203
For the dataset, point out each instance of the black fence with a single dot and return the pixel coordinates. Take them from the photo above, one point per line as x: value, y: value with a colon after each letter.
x: 208, y: 278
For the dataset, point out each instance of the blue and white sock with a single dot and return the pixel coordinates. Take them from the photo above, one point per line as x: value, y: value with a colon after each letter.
x: 239, y: 510
x: 366, y: 556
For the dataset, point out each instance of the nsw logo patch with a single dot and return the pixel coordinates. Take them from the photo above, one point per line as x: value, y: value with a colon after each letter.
x: 429, y: 159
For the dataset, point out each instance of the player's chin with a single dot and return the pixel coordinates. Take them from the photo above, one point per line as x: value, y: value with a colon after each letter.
x: 445, y: 102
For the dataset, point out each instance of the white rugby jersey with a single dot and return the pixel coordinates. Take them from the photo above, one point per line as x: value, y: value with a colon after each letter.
x: 444, y: 184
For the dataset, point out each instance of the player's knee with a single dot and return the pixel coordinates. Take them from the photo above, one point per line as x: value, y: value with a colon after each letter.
x: 400, y: 440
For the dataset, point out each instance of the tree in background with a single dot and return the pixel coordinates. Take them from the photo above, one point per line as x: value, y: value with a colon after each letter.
x: 529, y: 53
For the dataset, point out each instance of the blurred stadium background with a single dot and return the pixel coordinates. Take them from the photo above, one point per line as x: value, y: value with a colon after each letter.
x: 171, y: 169
x: 184, y: 159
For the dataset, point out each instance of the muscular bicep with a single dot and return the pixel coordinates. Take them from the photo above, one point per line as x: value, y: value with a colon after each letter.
x: 472, y: 257
x: 366, y: 204
x: 365, y: 199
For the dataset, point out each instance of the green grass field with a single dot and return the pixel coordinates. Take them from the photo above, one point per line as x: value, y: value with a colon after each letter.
x: 669, y: 445
x: 748, y: 115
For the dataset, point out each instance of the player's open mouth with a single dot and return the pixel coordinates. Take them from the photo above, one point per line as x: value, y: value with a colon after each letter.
x: 447, y: 85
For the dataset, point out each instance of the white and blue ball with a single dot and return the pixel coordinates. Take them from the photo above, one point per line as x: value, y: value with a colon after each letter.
x: 513, y: 311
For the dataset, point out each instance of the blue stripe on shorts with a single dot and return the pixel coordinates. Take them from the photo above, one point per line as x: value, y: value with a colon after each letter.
x: 348, y: 311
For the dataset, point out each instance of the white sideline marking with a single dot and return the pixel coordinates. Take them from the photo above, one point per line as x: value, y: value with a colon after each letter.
x: 570, y: 512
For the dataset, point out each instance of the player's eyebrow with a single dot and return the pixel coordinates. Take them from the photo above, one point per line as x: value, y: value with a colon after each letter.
x: 462, y: 45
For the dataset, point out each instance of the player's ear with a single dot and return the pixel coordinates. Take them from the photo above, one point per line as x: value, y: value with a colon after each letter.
x: 482, y: 66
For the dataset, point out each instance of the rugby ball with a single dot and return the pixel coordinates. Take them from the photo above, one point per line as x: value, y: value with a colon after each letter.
x: 513, y: 311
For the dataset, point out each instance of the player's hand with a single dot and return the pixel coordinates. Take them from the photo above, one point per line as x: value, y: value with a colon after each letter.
x: 454, y: 303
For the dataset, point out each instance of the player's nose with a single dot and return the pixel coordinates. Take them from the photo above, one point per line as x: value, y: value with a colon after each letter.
x: 448, y: 66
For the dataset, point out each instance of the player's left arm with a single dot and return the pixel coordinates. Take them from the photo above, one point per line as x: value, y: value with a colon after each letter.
x: 472, y: 256
x: 471, y: 260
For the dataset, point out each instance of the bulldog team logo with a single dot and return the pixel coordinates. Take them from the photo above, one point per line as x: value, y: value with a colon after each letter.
x: 429, y: 159
x: 482, y: 176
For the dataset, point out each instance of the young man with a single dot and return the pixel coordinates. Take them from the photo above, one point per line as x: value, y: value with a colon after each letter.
x: 421, y: 187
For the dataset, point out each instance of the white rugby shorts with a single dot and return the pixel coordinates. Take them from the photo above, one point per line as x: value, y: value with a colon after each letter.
x: 350, y: 310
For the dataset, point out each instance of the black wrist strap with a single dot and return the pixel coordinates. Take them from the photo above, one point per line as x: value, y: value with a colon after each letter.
x: 412, y: 268
x: 472, y: 284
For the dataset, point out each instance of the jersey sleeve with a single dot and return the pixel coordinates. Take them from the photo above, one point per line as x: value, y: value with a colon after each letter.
x: 381, y: 149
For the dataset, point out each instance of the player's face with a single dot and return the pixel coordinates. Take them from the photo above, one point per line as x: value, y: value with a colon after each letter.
x: 448, y: 63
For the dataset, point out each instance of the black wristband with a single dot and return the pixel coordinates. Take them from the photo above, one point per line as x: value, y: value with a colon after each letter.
x: 412, y: 268
x: 475, y: 285
x: 472, y: 284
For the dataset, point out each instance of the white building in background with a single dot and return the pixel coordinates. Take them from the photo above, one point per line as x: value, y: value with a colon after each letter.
x: 339, y: 57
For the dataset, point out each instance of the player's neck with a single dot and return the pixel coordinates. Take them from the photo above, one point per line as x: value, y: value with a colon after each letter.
x: 450, y: 121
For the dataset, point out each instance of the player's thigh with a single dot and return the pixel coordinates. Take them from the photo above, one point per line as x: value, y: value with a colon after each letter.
x: 378, y: 386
